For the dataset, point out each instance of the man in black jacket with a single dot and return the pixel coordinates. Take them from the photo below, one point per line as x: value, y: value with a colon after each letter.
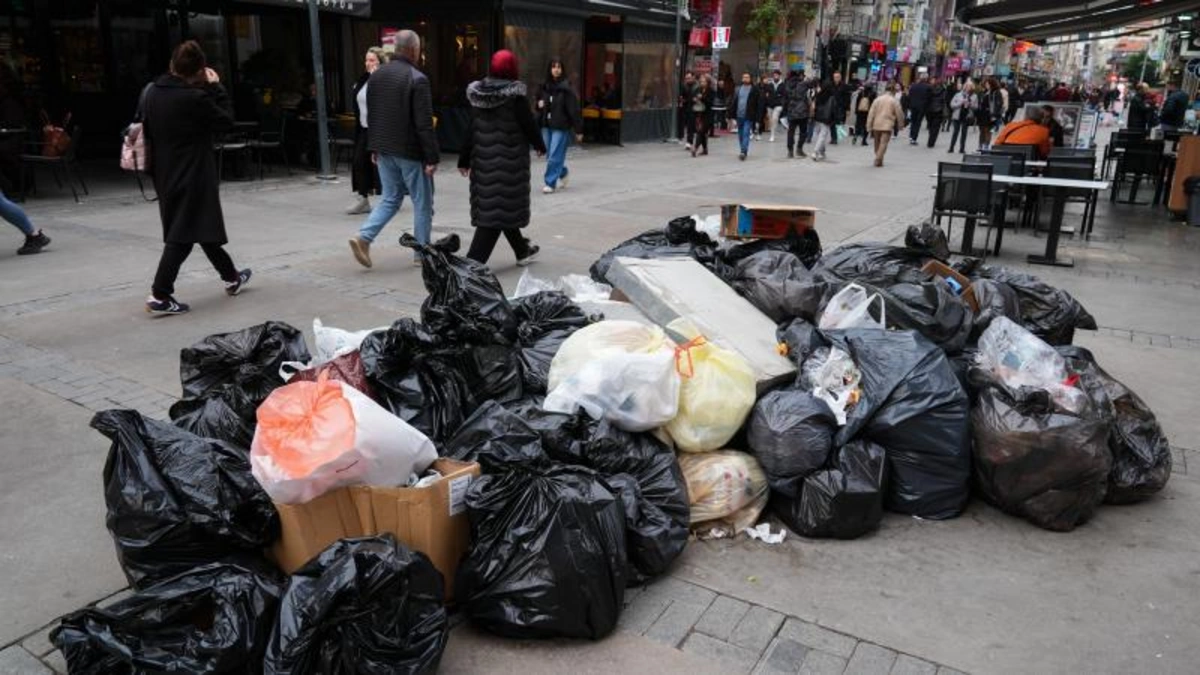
x: 937, y: 105
x: 918, y: 105
x: 402, y: 143
x: 841, y: 96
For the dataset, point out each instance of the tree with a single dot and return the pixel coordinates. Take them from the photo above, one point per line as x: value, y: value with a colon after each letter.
x: 763, y: 24
x: 1133, y: 69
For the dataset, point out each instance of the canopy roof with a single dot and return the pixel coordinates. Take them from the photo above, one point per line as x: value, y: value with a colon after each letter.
x: 1037, y: 20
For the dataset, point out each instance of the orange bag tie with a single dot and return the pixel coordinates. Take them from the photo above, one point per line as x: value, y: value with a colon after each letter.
x: 686, y: 350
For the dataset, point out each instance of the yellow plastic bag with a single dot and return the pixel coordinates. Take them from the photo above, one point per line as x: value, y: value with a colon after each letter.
x: 716, y: 395
x: 725, y: 488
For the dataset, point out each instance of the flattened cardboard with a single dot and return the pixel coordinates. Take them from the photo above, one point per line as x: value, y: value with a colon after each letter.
x: 941, y: 271
x: 766, y: 221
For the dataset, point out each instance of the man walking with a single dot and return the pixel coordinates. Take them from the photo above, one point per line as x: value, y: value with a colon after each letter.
x: 683, y: 115
x: 841, y: 104
x: 918, y: 105
x: 937, y: 106
x: 1174, y: 108
x: 885, y: 117
x: 747, y: 104
x: 798, y: 102
x: 774, y: 101
x: 402, y: 143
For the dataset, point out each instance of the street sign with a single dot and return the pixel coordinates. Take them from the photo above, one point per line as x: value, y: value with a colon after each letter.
x: 720, y: 37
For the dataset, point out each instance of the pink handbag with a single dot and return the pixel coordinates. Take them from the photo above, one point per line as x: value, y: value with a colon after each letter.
x: 133, y: 150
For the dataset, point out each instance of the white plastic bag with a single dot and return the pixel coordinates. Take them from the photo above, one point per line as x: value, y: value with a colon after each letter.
x: 717, y: 392
x: 851, y: 308
x: 1021, y: 359
x: 313, y: 437
x: 622, y: 371
x: 333, y: 342
x: 830, y: 374
x: 577, y: 287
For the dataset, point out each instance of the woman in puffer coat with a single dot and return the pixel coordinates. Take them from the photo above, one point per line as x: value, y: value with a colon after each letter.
x: 496, y: 159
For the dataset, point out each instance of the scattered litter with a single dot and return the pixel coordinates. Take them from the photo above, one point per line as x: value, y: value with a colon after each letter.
x: 763, y: 533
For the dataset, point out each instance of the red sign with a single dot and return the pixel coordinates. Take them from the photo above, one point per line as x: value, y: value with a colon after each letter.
x: 699, y: 37
x: 877, y: 47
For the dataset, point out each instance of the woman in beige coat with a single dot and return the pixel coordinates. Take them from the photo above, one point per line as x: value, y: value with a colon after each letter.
x: 885, y: 118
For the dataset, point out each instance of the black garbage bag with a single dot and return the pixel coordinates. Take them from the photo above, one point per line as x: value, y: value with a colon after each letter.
x: 227, y: 376
x: 913, y: 405
x: 929, y: 239
x: 806, y: 247
x: 366, y: 605
x: 421, y: 378
x: 647, y: 245
x: 657, y: 530
x: 466, y: 301
x: 844, y: 501
x: 1035, y: 460
x: 1141, y: 454
x: 995, y: 300
x: 1050, y: 313
x: 802, y: 339
x: 780, y: 286
x: 876, y: 264
x: 176, y: 500
x: 216, y: 618
x: 683, y: 230
x: 547, y: 556
x: 791, y: 433
x: 932, y: 310
x: 544, y: 321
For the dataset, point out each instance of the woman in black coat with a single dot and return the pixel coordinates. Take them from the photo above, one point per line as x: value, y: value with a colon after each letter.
x: 181, y: 113
x: 364, y: 177
x: 496, y: 158
x: 701, y: 108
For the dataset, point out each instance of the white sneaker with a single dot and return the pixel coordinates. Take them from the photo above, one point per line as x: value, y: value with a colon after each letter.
x: 547, y: 190
x: 362, y: 205
x: 771, y: 139
x: 562, y: 182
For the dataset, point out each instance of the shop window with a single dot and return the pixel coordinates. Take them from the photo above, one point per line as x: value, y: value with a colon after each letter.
x: 77, y: 41
x: 209, y: 31
x: 537, y: 38
x: 648, y: 76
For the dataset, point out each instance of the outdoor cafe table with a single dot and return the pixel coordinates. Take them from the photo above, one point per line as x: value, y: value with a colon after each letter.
x: 1059, y: 187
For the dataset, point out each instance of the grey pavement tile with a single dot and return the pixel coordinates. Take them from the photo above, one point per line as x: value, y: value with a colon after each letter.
x: 674, y: 589
x: 822, y: 663
x: 911, y: 665
x: 870, y: 659
x: 676, y: 622
x: 943, y: 670
x: 57, y: 662
x: 722, y: 617
x: 39, y: 643
x: 757, y: 628
x: 17, y: 661
x: 641, y: 613
x: 783, y: 656
x: 735, y: 658
x: 816, y: 637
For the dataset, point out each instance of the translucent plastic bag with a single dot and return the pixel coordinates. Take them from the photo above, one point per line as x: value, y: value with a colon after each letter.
x: 622, y: 371
x: 1018, y: 358
x: 313, y: 437
x: 577, y: 287
x: 716, y: 395
x: 830, y: 374
x: 851, y: 308
x: 726, y: 488
x: 333, y: 342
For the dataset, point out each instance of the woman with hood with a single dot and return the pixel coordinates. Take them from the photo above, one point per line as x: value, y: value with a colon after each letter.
x: 495, y: 156
x: 558, y: 111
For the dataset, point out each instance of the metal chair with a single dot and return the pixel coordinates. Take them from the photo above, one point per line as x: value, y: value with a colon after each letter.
x: 1116, y: 147
x: 271, y: 142
x: 1056, y: 153
x: 1139, y: 161
x: 1020, y: 154
x: 1002, y: 165
x: 341, y: 141
x: 1075, y: 171
x: 67, y: 163
x: 236, y: 144
x: 965, y: 191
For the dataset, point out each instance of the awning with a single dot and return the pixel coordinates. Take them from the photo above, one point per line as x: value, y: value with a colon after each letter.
x: 1037, y: 20
x: 360, y: 8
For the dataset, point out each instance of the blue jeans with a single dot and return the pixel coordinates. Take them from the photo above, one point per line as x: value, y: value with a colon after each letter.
x: 745, y: 126
x: 557, y: 141
x: 398, y: 177
x: 15, y: 215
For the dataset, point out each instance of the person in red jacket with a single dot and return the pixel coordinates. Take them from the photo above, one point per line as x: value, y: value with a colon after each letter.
x: 1061, y: 94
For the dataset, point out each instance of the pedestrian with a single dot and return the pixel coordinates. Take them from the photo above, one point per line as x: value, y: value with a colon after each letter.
x: 747, y: 103
x: 1174, y: 108
x: 774, y: 101
x: 1061, y: 94
x: 936, y: 111
x: 1033, y: 130
x: 35, y: 239
x: 962, y: 113
x: 1058, y: 135
x: 862, y: 106
x: 720, y: 109
x: 824, y: 106
x: 180, y: 115
x: 561, y: 121
x: 918, y: 105
x: 798, y: 102
x: 364, y: 177
x: 885, y: 118
x: 683, y: 115
x: 402, y: 143
x: 495, y: 156
x: 1014, y: 102
x: 702, y: 113
x: 986, y: 112
x: 763, y: 93
x: 841, y: 104
x: 998, y: 119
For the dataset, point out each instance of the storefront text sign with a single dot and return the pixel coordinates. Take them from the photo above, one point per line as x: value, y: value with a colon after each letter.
x: 353, y: 7
x: 720, y: 37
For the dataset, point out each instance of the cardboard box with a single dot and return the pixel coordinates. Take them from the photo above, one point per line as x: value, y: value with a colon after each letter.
x: 942, y: 271
x: 766, y: 221
x: 431, y: 519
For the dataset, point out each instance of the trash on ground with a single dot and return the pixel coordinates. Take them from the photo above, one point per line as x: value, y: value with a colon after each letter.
x: 843, y: 501
x: 717, y: 392
x: 791, y: 434
x: 763, y: 533
x: 726, y: 488
x: 334, y: 342
x: 577, y: 287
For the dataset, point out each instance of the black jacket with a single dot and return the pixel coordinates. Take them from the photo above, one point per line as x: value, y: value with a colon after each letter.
x: 1139, y: 112
x: 797, y: 99
x: 841, y: 104
x: 919, y: 95
x: 707, y: 98
x: 773, y: 93
x: 754, y: 103
x: 559, y: 107
x: 826, y: 103
x: 1174, y: 109
x: 497, y: 152
x: 179, y: 121
x: 400, y: 112
x: 938, y: 100
x: 362, y: 82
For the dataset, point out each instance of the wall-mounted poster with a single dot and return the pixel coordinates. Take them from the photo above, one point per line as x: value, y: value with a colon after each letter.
x: 1069, y: 115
